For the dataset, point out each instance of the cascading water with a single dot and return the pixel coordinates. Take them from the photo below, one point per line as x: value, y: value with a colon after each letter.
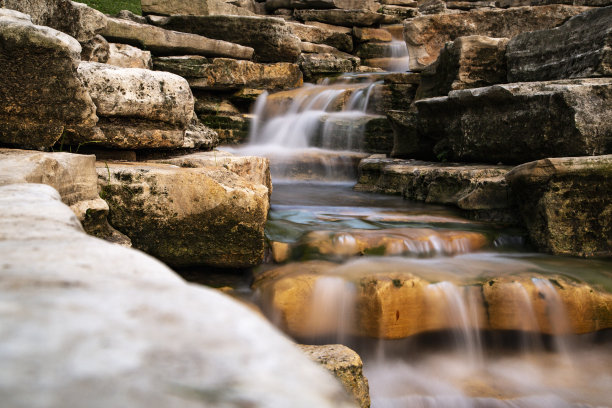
x: 441, y: 313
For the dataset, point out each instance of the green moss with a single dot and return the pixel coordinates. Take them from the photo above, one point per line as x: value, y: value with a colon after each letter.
x: 114, y: 6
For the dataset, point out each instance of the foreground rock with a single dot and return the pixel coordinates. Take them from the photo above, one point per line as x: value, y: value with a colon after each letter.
x: 426, y: 35
x: 91, y: 310
x: 479, y: 189
x: 187, y: 216
x: 224, y: 74
x: 72, y: 175
x: 577, y: 49
x: 468, y: 62
x: 515, y: 123
x: 167, y: 42
x: 270, y: 37
x: 41, y: 95
x: 404, y: 297
x: 346, y: 365
x: 566, y: 204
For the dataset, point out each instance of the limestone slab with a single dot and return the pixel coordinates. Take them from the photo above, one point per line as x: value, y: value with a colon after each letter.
x: 346, y: 18
x: 192, y: 8
x: 127, y: 56
x: 320, y: 35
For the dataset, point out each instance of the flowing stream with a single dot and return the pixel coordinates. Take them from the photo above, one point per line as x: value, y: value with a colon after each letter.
x: 445, y: 311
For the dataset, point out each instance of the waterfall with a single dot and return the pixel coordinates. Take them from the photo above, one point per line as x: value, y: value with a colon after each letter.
x: 399, y: 55
x: 332, y: 309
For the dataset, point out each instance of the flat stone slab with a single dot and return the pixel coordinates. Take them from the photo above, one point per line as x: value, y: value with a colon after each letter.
x: 320, y: 65
x: 520, y: 122
x: 346, y: 18
x: 321, y: 35
x: 187, y: 216
x: 270, y: 37
x: 566, y: 204
x: 41, y: 95
x: 168, y: 42
x: 426, y: 35
x: 127, y: 56
x: 192, y: 8
x: 229, y: 74
x: 92, y: 311
x: 371, y: 5
x: 577, y: 49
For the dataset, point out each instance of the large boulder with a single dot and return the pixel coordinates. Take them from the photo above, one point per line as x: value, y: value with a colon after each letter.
x: 344, y: 364
x: 75, y: 19
x: 270, y: 37
x: 223, y: 74
x: 111, y: 318
x: 468, y: 62
x: 72, y: 175
x: 187, y: 216
x: 192, y: 8
x: 516, y: 123
x: 579, y: 48
x: 168, y: 42
x: 41, y: 95
x: 426, y: 35
x: 321, y: 35
x: 566, y: 204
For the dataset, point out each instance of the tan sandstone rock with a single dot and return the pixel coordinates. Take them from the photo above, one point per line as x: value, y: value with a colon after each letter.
x: 126, y: 56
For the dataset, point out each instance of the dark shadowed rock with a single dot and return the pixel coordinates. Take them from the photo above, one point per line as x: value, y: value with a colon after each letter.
x: 426, y: 35
x: 95, y: 50
x: 467, y: 62
x: 566, y: 204
x: 41, y: 95
x: 582, y: 47
x: 515, y: 123
x: 270, y: 37
x: 168, y: 42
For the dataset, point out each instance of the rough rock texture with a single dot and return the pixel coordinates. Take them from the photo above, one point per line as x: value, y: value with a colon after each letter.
x: 229, y: 74
x: 407, y: 142
x: 391, y: 299
x: 582, y: 47
x: 344, y: 364
x: 346, y: 18
x: 192, y: 8
x: 516, y: 123
x: 75, y: 19
x: 270, y: 37
x: 232, y: 129
x: 131, y: 92
x: 324, y: 65
x: 41, y: 95
x: 566, y: 204
x: 468, y: 62
x: 126, y: 56
x: 372, y: 50
x: 426, y: 35
x: 72, y: 175
x: 370, y: 5
x: 367, y: 34
x: 167, y: 42
x: 199, y: 136
x: 187, y: 216
x: 95, y: 50
x: 91, y: 311
x: 320, y: 35
x: 254, y: 169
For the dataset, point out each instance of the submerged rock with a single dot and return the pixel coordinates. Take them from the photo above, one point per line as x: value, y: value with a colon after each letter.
x: 224, y: 74
x: 344, y: 364
x: 41, y: 95
x: 519, y: 122
x: 426, y: 35
x: 566, y: 204
x: 72, y: 175
x: 91, y: 311
x: 167, y: 42
x: 270, y: 37
x: 468, y: 62
x: 187, y: 216
x: 577, y: 49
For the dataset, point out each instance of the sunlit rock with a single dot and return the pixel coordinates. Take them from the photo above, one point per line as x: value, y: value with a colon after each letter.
x: 346, y: 18
x: 324, y: 65
x: 368, y: 34
x: 322, y: 35
x: 192, y: 8
x: 577, y: 49
x: 344, y: 364
x: 127, y: 56
x: 426, y: 35
x: 566, y: 204
x: 187, y: 216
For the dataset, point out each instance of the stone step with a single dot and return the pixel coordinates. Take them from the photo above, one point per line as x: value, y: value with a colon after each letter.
x: 321, y: 35
x: 426, y: 35
x: 192, y: 8
x: 168, y: 42
x: 346, y: 18
x: 324, y: 65
x: 271, y: 38
x: 406, y: 297
x: 520, y: 122
x: 370, y: 5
